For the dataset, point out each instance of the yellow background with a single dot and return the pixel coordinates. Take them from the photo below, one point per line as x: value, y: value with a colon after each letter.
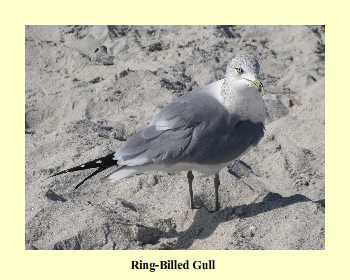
x: 17, y: 263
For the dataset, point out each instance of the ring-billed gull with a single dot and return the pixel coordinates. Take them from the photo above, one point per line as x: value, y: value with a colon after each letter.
x: 203, y: 131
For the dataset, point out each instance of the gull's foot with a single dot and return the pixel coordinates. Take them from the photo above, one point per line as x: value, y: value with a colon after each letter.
x: 217, y: 208
x: 195, y: 207
x: 214, y: 211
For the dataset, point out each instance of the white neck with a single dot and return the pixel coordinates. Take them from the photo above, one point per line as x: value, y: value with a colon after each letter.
x: 243, y: 100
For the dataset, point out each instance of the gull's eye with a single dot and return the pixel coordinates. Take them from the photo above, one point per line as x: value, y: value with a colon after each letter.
x: 239, y: 70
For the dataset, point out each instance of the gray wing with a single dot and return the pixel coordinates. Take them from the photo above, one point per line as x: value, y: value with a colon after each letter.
x: 195, y: 128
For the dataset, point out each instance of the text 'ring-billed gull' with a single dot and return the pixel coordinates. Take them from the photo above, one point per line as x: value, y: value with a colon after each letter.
x: 203, y: 131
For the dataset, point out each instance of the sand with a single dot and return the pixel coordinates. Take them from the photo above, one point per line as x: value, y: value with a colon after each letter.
x: 89, y: 88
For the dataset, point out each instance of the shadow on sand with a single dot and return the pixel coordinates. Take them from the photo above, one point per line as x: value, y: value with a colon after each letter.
x: 205, y: 223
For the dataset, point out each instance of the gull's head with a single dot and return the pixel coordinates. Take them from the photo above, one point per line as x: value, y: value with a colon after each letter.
x: 245, y: 69
x: 242, y: 91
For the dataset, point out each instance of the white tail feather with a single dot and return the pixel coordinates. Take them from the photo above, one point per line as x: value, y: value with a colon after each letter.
x: 122, y: 173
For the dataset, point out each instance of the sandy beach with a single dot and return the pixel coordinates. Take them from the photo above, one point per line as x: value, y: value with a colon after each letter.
x: 88, y: 88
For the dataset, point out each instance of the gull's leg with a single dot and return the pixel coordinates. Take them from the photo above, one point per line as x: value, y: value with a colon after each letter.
x: 216, y: 187
x: 190, y: 178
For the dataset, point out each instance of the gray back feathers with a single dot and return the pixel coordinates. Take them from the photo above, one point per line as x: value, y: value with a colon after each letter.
x: 194, y: 129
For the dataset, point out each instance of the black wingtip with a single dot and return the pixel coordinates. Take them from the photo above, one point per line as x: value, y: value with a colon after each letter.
x: 103, y: 162
x: 73, y: 169
x: 90, y: 176
x: 59, y: 173
x: 99, y: 163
